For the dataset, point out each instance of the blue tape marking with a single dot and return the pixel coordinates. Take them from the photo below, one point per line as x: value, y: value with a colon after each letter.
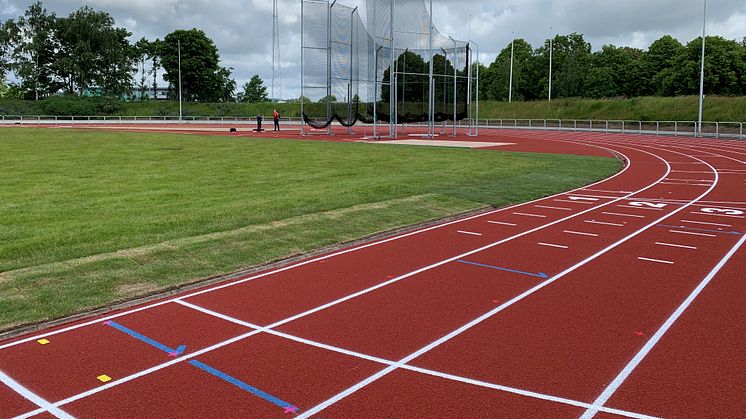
x: 735, y: 233
x: 541, y: 275
x: 289, y: 408
x: 173, y: 352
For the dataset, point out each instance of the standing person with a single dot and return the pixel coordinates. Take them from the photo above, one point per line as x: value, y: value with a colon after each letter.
x: 277, y: 120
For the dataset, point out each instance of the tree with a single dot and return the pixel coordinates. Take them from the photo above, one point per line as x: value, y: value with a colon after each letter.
x: 203, y: 79
x: 254, y: 91
x: 94, y: 54
x: 154, y: 52
x: 620, y: 69
x: 142, y: 51
x: 498, y: 83
x: 33, y: 52
x: 658, y: 64
x: 6, y: 35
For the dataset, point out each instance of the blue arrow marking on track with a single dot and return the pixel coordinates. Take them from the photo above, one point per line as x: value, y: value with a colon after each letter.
x: 171, y: 352
x: 541, y: 275
x: 735, y: 233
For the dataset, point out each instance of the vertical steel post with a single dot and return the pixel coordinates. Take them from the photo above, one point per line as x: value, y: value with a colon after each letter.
x: 349, y: 86
x: 329, y: 68
x: 551, y: 53
x: 702, y: 69
x: 512, y: 55
x: 181, y: 106
x: 431, y: 84
x: 455, y: 86
x: 302, y: 73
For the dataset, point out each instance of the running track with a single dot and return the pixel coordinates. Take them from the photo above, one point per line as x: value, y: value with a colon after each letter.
x: 621, y: 299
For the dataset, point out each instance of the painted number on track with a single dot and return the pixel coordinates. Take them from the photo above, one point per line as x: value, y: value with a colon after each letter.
x: 723, y: 211
x: 648, y: 205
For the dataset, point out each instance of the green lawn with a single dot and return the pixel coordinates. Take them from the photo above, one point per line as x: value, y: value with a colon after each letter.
x: 88, y: 219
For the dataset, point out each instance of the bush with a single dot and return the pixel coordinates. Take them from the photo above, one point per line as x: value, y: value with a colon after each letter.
x: 82, y: 106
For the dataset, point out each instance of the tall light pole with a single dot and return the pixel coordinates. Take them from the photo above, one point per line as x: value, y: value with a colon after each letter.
x: 512, y: 55
x: 551, y: 53
x: 181, y: 108
x: 702, y: 70
x: 275, y: 47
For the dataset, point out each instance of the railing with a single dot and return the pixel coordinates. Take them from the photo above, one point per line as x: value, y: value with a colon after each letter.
x: 732, y: 130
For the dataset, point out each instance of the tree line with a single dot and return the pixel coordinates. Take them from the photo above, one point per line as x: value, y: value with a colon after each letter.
x: 666, y: 68
x: 86, y: 54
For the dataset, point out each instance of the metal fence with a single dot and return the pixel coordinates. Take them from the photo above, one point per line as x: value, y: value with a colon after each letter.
x: 730, y: 130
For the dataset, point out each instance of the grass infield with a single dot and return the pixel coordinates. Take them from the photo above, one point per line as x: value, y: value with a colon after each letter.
x: 88, y: 219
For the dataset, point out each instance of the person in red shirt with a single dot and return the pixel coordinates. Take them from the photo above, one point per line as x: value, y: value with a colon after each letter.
x: 277, y: 120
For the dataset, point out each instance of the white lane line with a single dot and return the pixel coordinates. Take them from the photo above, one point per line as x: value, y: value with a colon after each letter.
x: 632, y: 365
x: 471, y: 233
x: 718, y: 215
x: 503, y: 224
x: 603, y: 190
x: 706, y: 224
x: 580, y: 233
x: 680, y: 246
x: 691, y: 233
x: 345, y: 393
x: 623, y: 215
x: 451, y: 377
x: 553, y: 208
x: 689, y: 180
x: 558, y: 246
x: 33, y: 397
x: 646, y: 208
x: 685, y: 184
x: 523, y: 214
x: 667, y: 262
x: 604, y: 223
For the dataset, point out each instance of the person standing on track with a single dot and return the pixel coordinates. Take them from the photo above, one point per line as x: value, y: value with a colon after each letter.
x: 277, y: 120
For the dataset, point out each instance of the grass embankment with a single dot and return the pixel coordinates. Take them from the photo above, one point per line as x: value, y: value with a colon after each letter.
x: 92, y: 218
x: 716, y: 108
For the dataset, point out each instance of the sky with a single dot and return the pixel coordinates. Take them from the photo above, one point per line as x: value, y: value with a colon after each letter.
x: 242, y: 29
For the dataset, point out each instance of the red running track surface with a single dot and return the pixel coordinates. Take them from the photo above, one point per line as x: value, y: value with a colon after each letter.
x: 620, y: 299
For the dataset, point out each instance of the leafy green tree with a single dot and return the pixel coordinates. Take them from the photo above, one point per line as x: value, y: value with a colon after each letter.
x: 6, y: 35
x: 621, y: 71
x: 203, y: 79
x: 154, y: 52
x: 254, y: 91
x: 94, y: 54
x: 34, y: 49
x: 658, y: 64
x: 142, y: 51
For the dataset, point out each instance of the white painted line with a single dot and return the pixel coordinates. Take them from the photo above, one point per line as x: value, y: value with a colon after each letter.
x: 553, y: 208
x: 529, y: 215
x: 718, y: 215
x: 503, y: 224
x: 623, y: 215
x: 604, y: 223
x: 469, y: 233
x: 706, y: 224
x: 691, y: 233
x: 603, y: 190
x: 32, y: 397
x: 558, y: 246
x: 425, y: 371
x: 345, y: 393
x: 689, y: 180
x: 680, y: 246
x: 632, y: 365
x: 579, y: 233
x: 667, y: 262
x: 574, y: 202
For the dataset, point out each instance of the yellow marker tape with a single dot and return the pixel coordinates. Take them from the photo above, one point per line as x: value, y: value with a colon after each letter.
x: 104, y: 378
x: 43, y: 342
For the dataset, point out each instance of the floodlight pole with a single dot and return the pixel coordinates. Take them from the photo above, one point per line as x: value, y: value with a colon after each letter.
x: 702, y: 70
x: 551, y: 53
x: 512, y: 57
x: 181, y: 106
x: 274, y: 43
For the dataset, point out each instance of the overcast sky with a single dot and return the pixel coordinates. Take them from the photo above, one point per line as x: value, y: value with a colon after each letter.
x: 242, y: 29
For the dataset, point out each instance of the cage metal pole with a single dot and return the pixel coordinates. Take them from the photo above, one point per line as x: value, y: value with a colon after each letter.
x: 375, y: 93
x: 349, y: 85
x: 329, y: 69
x: 392, y: 86
x: 469, y: 87
x: 181, y: 106
x: 431, y: 83
x: 455, y: 87
x: 302, y: 73
x: 478, y: 65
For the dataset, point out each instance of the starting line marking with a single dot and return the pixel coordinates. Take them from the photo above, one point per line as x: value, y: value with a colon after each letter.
x: 574, y: 202
x: 553, y: 208
x: 470, y: 233
x: 691, y: 234
x: 681, y: 246
x: 604, y: 223
x: 623, y: 215
x: 667, y: 262
x: 558, y: 246
x: 707, y: 224
x: 529, y: 215
x: 503, y: 224
x: 579, y: 233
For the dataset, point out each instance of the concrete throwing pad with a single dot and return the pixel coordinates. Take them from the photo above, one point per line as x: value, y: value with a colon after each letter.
x: 440, y: 143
